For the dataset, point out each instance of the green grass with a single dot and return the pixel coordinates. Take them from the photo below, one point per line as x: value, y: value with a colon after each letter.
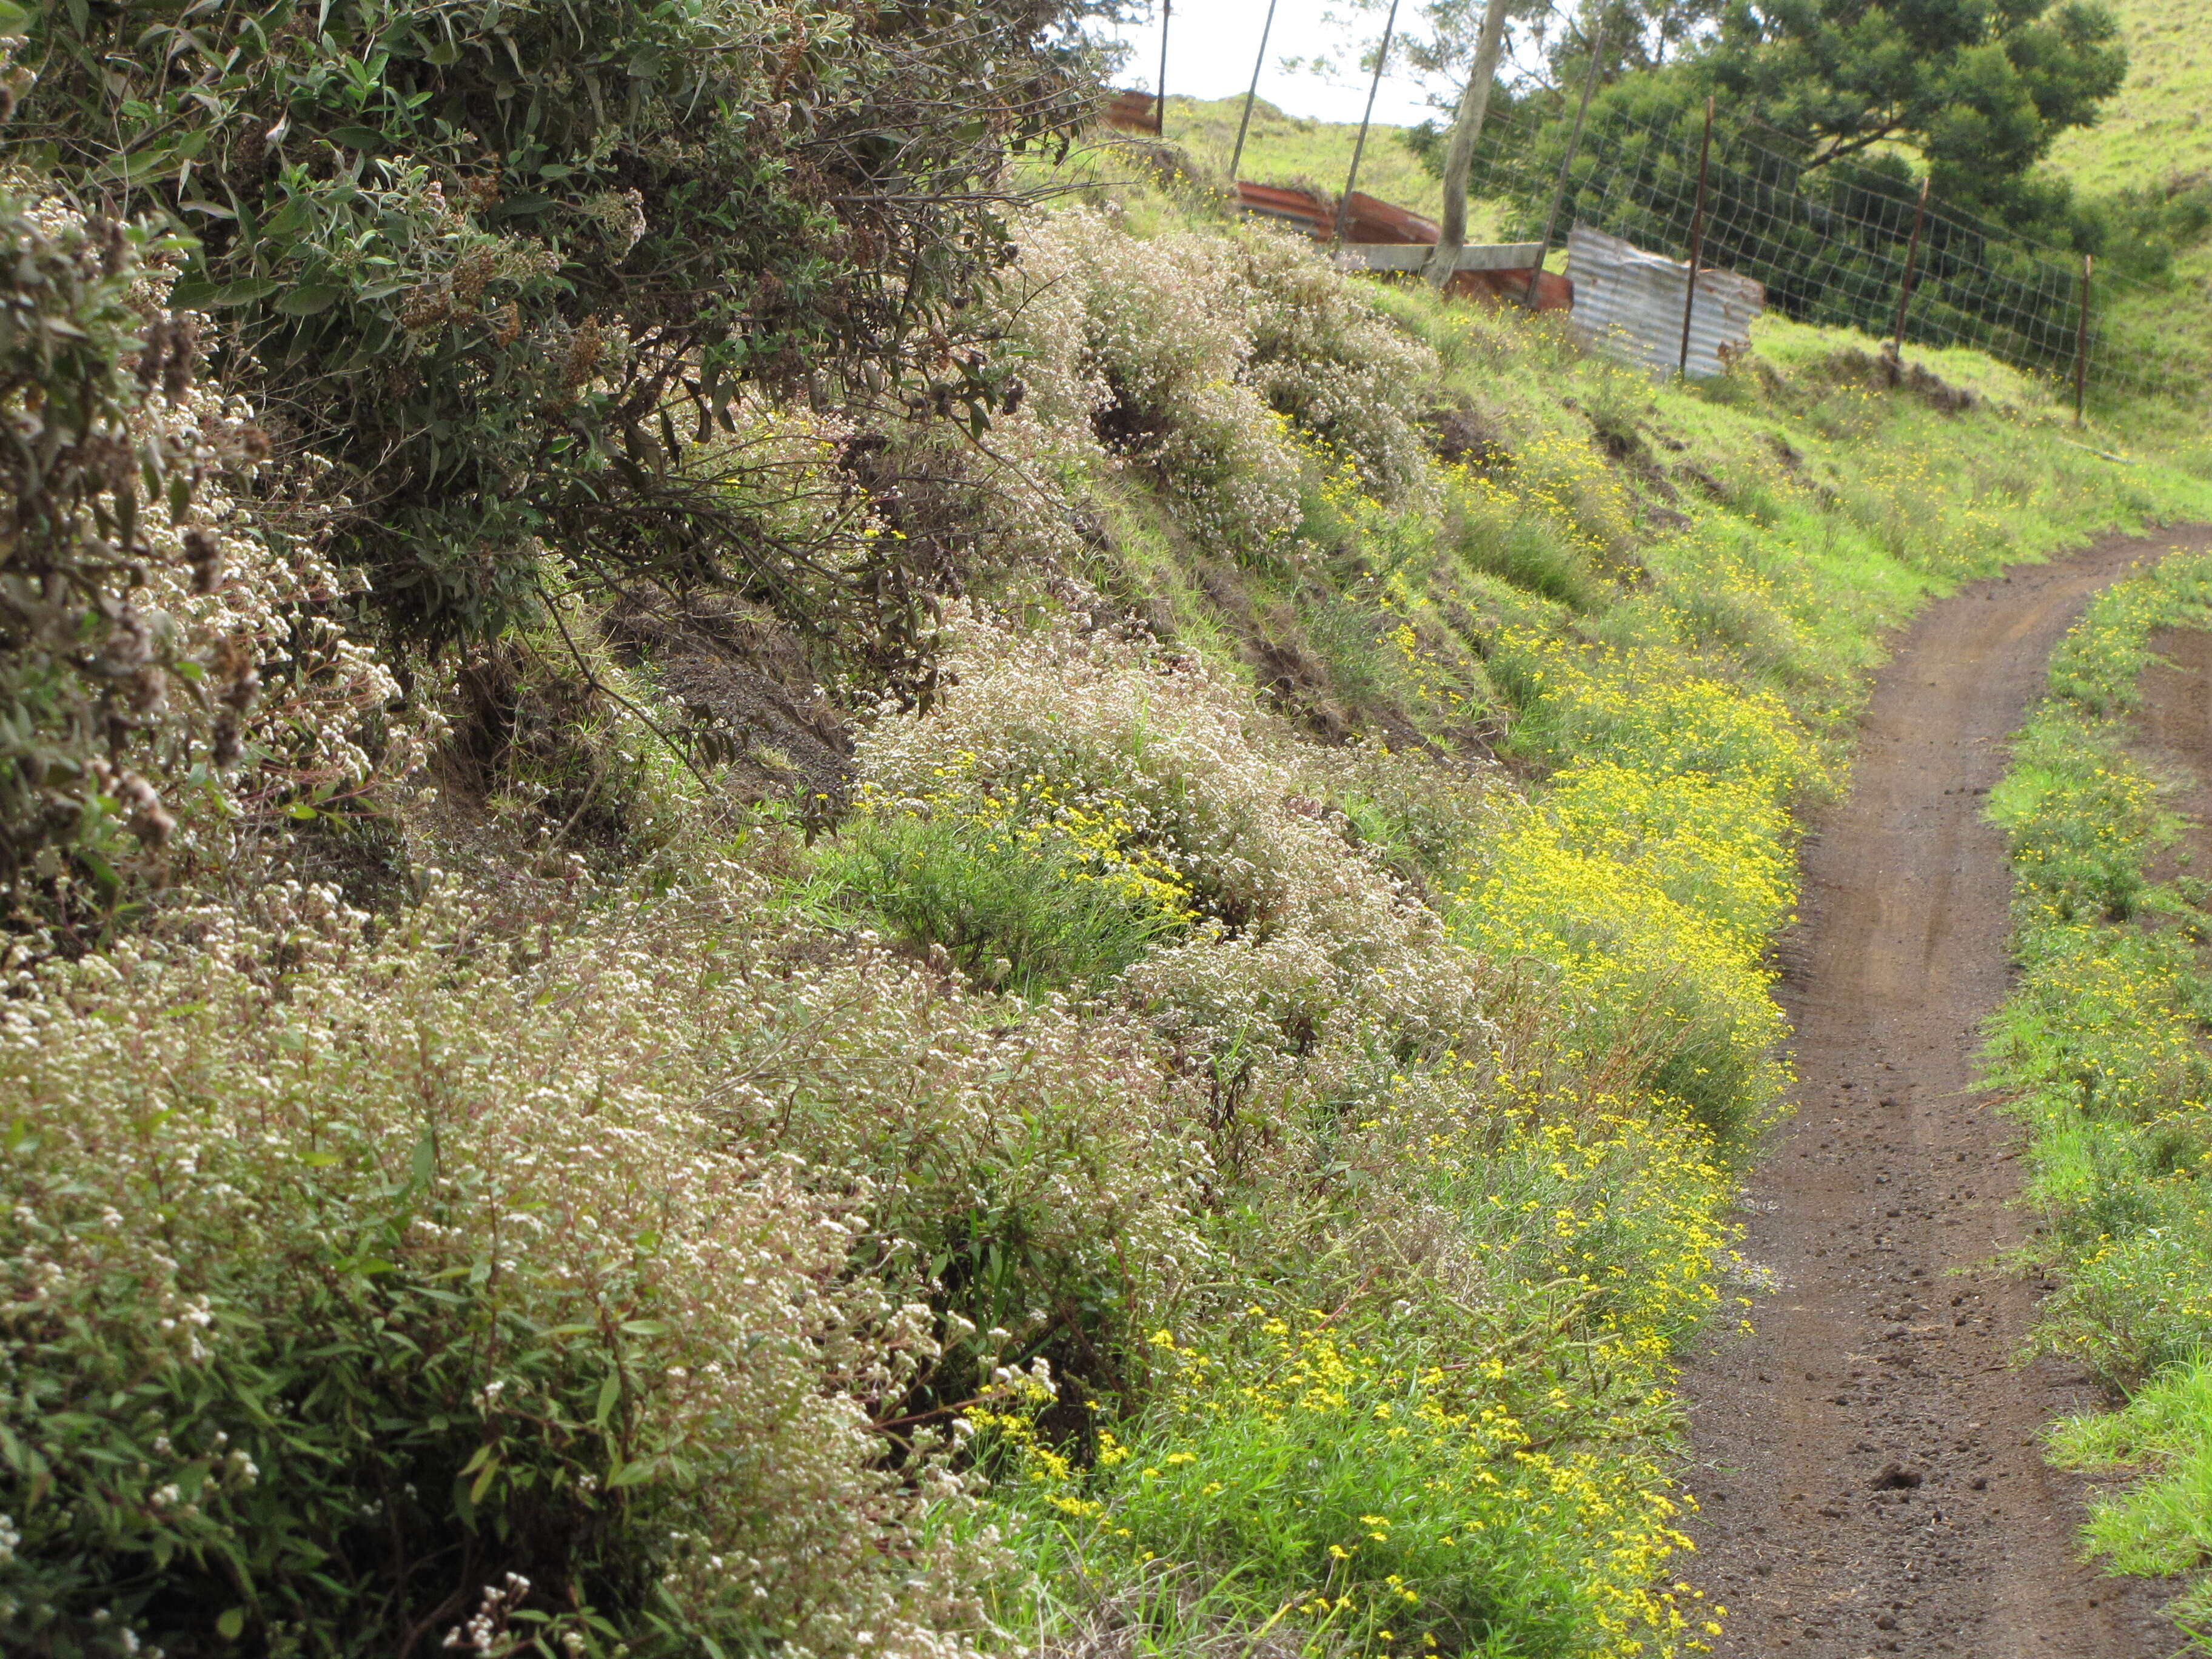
x: 1025, y: 913
x: 2156, y: 136
x: 2157, y: 130
x: 1297, y: 150
x: 2164, y: 1526
x: 2100, y: 1048
x: 1290, y: 150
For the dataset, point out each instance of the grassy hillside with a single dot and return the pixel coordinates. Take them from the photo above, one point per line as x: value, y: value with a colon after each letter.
x: 1287, y: 149
x: 2158, y: 131
x: 2156, y: 138
x: 1127, y: 1025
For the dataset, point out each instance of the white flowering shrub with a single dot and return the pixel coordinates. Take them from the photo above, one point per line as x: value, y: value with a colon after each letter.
x: 1212, y: 364
x: 1324, y: 356
x: 177, y: 667
x: 1304, y: 952
x: 1139, y: 353
x: 618, y: 1253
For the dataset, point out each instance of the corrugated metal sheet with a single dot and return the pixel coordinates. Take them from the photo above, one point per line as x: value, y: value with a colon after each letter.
x: 1630, y: 302
x: 1554, y: 291
x: 1131, y: 112
x: 1380, y: 236
x: 1370, y: 220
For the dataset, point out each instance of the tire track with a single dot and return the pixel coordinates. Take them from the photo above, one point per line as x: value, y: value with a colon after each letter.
x: 1868, y: 1460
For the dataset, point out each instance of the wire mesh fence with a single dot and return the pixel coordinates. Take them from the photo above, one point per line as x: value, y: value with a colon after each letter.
x: 1841, y: 245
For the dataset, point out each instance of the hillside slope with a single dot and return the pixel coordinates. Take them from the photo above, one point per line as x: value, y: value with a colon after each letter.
x: 1290, y: 150
x: 2157, y: 130
x: 1201, y: 1114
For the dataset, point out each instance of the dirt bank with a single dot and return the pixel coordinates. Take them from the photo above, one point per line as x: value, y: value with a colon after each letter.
x: 1867, y: 1460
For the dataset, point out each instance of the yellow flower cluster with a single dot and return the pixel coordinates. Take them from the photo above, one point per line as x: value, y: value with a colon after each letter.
x: 1647, y: 884
x: 1094, y: 835
x: 1419, y: 1510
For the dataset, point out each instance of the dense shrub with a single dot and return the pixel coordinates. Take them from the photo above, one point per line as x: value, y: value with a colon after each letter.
x: 328, y: 1306
x: 1185, y: 354
x: 174, y: 654
x: 507, y: 263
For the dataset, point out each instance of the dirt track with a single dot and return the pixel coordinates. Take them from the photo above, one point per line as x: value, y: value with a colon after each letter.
x: 1868, y: 1460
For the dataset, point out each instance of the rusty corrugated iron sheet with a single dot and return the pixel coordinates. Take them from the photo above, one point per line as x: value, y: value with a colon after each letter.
x: 1392, y: 238
x: 1630, y: 302
x: 1131, y: 112
x: 1554, y: 291
x: 1309, y: 210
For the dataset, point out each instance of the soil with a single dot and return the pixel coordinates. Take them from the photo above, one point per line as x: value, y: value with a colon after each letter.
x: 1868, y: 1461
x: 2174, y: 741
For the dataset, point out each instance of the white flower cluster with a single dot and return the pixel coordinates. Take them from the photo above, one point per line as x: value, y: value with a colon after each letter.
x: 1202, y: 358
x: 660, y: 1125
x: 269, y: 702
x: 1312, y: 945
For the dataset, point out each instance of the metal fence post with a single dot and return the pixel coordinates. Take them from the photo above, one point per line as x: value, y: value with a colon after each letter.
x: 1567, y: 161
x: 1236, y: 156
x: 1160, y: 98
x: 1905, y: 287
x: 1697, y: 239
x: 1359, y: 145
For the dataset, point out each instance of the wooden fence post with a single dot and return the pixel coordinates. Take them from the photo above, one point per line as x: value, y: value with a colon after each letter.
x: 1697, y: 239
x: 1567, y: 161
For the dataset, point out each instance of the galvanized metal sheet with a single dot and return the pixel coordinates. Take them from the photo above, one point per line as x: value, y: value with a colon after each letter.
x: 1411, y: 256
x: 1629, y: 303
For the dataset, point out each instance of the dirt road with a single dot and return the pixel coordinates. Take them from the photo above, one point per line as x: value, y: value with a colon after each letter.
x: 1867, y: 1460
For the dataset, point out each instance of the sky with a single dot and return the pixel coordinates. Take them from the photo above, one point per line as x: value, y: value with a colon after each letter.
x: 1211, y: 44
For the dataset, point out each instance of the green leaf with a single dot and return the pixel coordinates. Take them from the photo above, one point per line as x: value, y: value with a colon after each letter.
x: 103, y: 874
x: 14, y: 20
x: 483, y: 1482
x: 244, y: 291
x: 290, y: 219
x: 309, y: 298
x: 230, y: 1624
x: 357, y: 137
x: 318, y: 1160
x: 610, y: 1395
x: 630, y: 1474
x: 424, y: 1162
x: 444, y: 53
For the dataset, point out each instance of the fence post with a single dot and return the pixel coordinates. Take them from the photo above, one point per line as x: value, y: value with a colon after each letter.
x: 1567, y: 161
x: 1697, y: 239
x: 2081, y: 346
x: 1360, y: 144
x: 1160, y: 95
x: 1905, y: 287
x: 1236, y: 156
